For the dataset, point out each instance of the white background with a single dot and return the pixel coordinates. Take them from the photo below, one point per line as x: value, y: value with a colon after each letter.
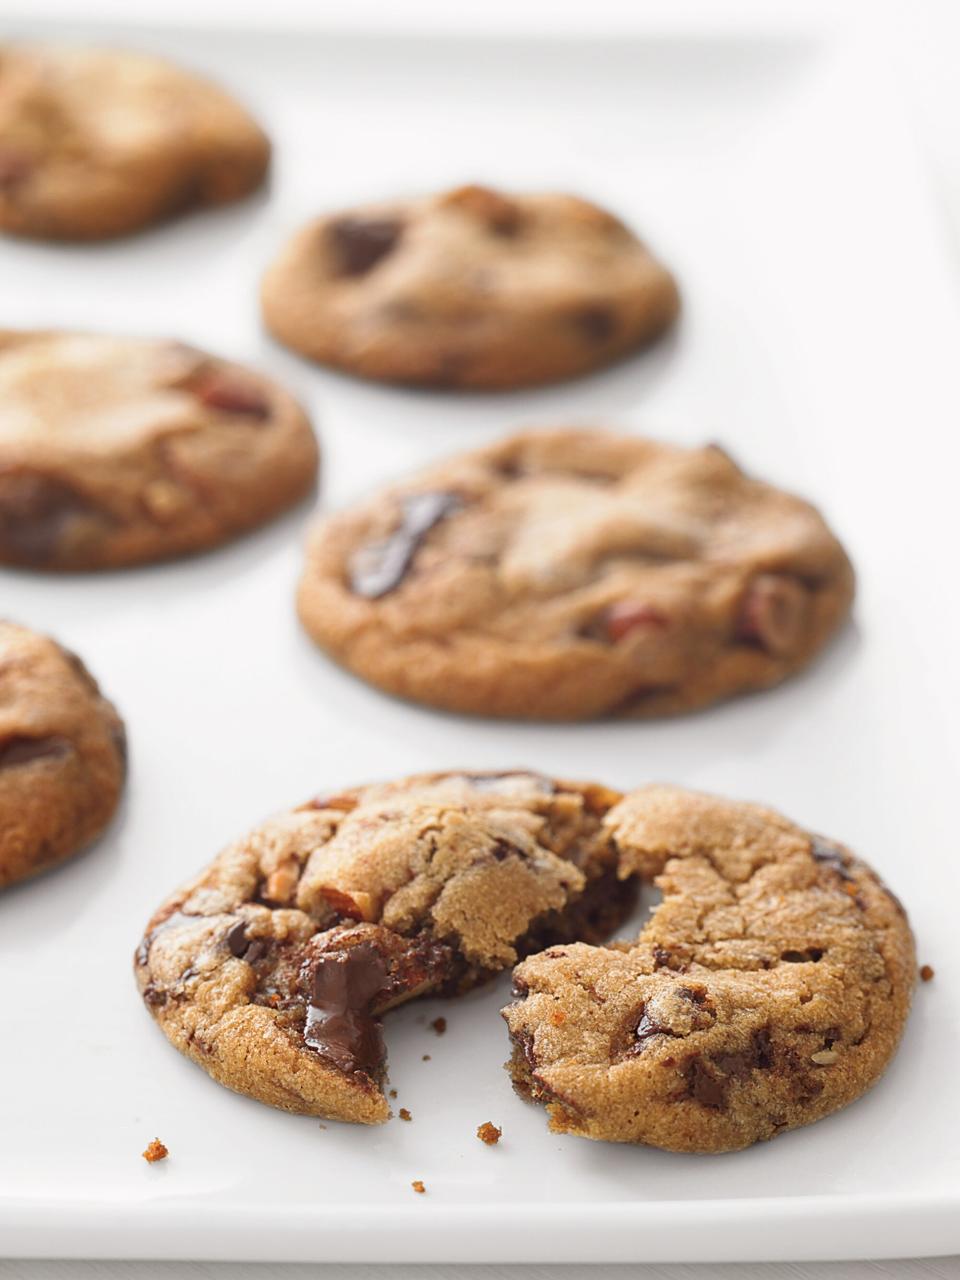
x: 926, y: 55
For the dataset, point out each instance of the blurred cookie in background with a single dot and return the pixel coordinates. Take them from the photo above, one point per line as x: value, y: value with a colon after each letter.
x: 116, y: 451
x: 97, y: 143
x: 469, y: 289
x: 62, y: 754
x: 567, y: 574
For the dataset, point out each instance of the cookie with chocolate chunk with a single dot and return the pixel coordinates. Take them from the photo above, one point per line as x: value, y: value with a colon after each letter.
x: 471, y: 288
x: 569, y: 574
x: 97, y: 143
x: 62, y: 755
x: 769, y: 988
x: 271, y: 969
x: 116, y: 451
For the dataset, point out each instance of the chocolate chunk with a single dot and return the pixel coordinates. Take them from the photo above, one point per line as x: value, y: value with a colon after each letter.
x: 810, y: 956
x: 646, y: 1028
x: 342, y: 986
x: 39, y: 514
x: 20, y: 749
x: 231, y: 392
x: 380, y: 567
x: 244, y: 948
x: 500, y: 781
x: 830, y: 856
x: 358, y: 244
x: 597, y: 323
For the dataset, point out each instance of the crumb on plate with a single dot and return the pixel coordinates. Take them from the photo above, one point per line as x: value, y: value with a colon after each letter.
x: 489, y: 1133
x: 155, y: 1151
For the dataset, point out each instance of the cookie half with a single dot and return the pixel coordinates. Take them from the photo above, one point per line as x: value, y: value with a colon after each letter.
x: 62, y: 755
x: 97, y: 143
x: 471, y: 288
x: 271, y: 969
x: 116, y: 451
x: 570, y: 574
x: 770, y: 987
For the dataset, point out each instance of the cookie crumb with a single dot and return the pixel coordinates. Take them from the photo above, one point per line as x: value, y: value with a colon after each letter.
x: 926, y: 972
x: 155, y: 1151
x: 489, y: 1133
x: 426, y: 1057
x: 418, y: 1187
x: 393, y: 1093
x: 405, y: 1114
x: 439, y: 1025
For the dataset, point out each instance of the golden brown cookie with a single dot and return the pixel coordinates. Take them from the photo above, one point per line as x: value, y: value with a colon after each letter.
x: 116, y: 451
x: 770, y: 987
x: 97, y: 143
x: 568, y: 574
x: 271, y: 969
x: 62, y: 755
x: 471, y: 288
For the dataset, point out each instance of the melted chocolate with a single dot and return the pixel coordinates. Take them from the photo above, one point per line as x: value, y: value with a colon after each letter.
x: 37, y: 512
x: 380, y: 567
x: 830, y: 856
x: 341, y: 988
x: 359, y: 243
x: 20, y: 750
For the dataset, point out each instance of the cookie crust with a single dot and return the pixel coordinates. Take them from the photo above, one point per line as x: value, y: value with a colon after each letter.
x: 96, y: 143
x: 769, y: 989
x: 62, y: 755
x: 118, y: 451
x: 471, y: 289
x: 568, y: 574
x: 271, y: 969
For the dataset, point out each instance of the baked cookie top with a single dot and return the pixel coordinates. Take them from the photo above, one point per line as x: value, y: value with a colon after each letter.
x: 62, y: 754
x: 115, y: 451
x: 271, y: 968
x: 568, y: 574
x: 769, y: 988
x: 471, y: 288
x: 97, y: 143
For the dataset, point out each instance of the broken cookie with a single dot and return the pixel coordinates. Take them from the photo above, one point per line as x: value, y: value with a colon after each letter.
x: 272, y: 969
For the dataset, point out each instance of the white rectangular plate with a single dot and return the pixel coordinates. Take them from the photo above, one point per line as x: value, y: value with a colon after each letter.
x: 819, y: 344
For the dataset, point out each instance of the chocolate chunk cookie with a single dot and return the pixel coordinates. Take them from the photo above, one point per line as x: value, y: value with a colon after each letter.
x: 62, y: 755
x: 115, y: 451
x: 97, y: 143
x: 471, y: 288
x: 272, y: 968
x: 568, y: 574
x: 769, y: 988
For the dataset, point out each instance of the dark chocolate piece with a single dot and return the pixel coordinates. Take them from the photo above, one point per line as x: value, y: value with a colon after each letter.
x: 380, y: 567
x: 359, y: 243
x: 342, y: 987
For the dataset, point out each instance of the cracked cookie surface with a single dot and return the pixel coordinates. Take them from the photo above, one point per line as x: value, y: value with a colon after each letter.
x: 117, y: 451
x: 272, y: 968
x: 471, y: 288
x: 62, y: 755
x: 769, y: 988
x: 565, y: 574
x: 97, y: 143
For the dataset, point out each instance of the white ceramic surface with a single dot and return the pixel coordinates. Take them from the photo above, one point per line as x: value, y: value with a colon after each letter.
x: 819, y: 344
